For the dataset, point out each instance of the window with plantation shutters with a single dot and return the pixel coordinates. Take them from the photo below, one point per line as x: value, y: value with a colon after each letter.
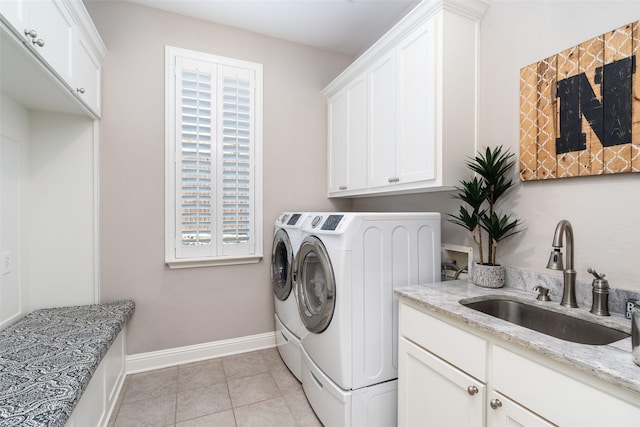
x: 213, y: 151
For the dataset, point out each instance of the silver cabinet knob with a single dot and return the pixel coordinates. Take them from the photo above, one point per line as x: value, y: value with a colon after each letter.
x: 38, y: 42
x: 495, y: 403
x: 80, y: 90
x: 30, y: 33
x: 472, y: 390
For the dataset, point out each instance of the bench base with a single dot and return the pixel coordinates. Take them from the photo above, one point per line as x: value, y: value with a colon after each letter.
x: 99, y: 398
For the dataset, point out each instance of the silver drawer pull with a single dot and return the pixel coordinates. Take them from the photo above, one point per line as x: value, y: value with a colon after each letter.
x: 472, y: 390
x: 495, y: 404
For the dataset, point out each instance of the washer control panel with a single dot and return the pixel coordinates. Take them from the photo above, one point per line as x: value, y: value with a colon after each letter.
x: 294, y: 219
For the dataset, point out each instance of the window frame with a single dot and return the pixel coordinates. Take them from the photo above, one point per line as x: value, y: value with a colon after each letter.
x: 172, y: 144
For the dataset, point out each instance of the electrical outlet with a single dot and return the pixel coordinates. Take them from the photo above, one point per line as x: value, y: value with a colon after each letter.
x: 6, y: 263
x: 628, y: 307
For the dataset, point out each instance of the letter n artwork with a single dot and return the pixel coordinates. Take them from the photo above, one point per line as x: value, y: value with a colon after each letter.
x: 580, y: 109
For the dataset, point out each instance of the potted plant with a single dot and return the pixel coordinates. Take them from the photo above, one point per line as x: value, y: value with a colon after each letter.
x: 491, y: 181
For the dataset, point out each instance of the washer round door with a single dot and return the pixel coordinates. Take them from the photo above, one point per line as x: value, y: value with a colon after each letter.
x: 315, y: 284
x: 281, y: 265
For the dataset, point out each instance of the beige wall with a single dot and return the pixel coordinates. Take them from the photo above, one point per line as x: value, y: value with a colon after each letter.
x: 604, y: 211
x: 176, y: 308
x: 185, y: 307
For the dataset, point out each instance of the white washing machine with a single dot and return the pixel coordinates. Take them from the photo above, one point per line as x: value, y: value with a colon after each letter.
x: 286, y: 242
x: 346, y: 269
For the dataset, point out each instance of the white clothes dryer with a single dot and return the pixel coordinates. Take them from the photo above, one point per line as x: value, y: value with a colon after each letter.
x: 286, y: 242
x: 346, y: 269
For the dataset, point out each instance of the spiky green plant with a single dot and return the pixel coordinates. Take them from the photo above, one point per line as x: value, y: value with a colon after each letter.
x: 474, y: 194
x: 481, y: 194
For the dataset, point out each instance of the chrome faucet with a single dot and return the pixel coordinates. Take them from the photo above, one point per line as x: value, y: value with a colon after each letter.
x: 555, y: 262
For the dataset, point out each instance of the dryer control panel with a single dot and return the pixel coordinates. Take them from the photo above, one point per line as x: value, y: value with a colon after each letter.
x: 328, y: 222
x: 332, y: 222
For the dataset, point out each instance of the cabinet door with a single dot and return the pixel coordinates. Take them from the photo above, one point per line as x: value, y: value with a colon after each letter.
x: 15, y: 13
x: 432, y: 392
x: 506, y: 413
x: 566, y: 400
x: 54, y: 27
x: 417, y: 93
x: 348, y: 138
x: 85, y: 73
x: 382, y: 96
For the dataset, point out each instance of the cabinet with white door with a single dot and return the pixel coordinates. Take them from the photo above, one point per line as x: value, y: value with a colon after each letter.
x: 382, y: 121
x: 47, y: 29
x: 443, y: 365
x: 421, y: 93
x: 402, y: 106
x: 86, y: 72
x: 442, y: 373
x: 348, y: 128
x: 558, y: 395
x: 435, y: 393
x: 416, y: 156
x: 507, y: 413
x: 61, y: 35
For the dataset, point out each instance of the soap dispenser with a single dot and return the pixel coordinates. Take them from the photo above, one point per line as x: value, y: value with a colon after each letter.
x: 635, y: 332
x: 600, y: 304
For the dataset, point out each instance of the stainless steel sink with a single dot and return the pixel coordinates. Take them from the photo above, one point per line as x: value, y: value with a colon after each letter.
x: 548, y: 322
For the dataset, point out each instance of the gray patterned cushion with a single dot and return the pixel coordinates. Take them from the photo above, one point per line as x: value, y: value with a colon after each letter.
x: 48, y: 357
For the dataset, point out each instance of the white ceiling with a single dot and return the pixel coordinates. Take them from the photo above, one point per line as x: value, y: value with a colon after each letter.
x: 343, y: 26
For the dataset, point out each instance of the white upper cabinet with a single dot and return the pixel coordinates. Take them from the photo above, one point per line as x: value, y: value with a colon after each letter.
x: 51, y: 33
x: 348, y: 127
x: 61, y: 35
x: 416, y: 131
x: 16, y: 13
x: 46, y: 28
x: 382, y: 121
x: 86, y: 73
x: 421, y: 103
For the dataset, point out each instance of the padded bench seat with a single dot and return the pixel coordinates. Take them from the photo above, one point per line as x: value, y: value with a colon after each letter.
x: 48, y: 358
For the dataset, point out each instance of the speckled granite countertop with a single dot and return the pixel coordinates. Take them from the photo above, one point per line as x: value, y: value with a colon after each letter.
x: 612, y: 363
x: 48, y: 357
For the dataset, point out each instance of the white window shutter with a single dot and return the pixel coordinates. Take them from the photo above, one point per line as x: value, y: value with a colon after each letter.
x: 195, y: 113
x: 236, y: 199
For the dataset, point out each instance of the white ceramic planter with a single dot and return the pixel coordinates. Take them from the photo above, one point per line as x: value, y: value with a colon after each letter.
x: 488, y: 276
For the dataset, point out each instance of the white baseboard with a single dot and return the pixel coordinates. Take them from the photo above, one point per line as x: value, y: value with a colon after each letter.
x: 177, y: 356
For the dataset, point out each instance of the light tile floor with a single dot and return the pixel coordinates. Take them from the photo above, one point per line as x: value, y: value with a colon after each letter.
x: 252, y: 389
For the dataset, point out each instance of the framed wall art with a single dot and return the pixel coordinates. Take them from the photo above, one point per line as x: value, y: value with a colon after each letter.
x: 580, y: 109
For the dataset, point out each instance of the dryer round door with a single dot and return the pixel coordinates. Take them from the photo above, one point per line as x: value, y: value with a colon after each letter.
x: 281, y: 265
x: 315, y: 284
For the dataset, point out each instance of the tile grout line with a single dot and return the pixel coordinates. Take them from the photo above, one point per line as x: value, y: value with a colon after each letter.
x: 266, y: 360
